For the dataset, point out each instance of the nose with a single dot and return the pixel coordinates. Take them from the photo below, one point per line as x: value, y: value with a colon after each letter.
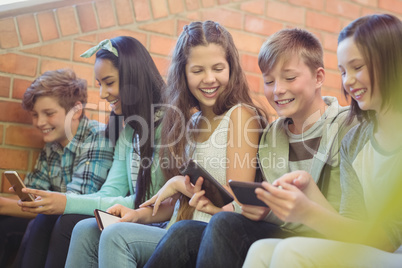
x: 279, y: 88
x: 40, y: 121
x: 209, y: 77
x: 103, y: 92
x: 348, y: 80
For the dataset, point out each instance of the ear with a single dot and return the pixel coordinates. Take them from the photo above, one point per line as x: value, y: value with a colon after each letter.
x: 77, y: 109
x: 320, y: 77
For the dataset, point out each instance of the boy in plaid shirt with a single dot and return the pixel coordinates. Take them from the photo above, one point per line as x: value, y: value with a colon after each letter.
x: 76, y: 158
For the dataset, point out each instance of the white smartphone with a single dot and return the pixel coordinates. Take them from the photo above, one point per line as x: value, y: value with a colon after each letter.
x: 17, y: 184
x: 104, y: 219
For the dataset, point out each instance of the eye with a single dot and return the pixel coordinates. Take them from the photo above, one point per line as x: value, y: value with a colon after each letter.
x: 110, y: 83
x: 268, y: 82
x: 34, y: 115
x: 50, y: 114
x: 359, y: 67
x: 290, y: 78
x: 196, y: 71
x: 219, y: 69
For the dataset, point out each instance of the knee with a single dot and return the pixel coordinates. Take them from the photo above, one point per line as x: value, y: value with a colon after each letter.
x: 181, y: 228
x: 223, y: 222
x: 86, y: 230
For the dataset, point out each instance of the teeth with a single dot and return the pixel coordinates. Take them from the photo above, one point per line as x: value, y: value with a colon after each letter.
x: 114, y: 101
x: 359, y: 92
x: 284, y: 101
x: 47, y: 130
x: 209, y: 91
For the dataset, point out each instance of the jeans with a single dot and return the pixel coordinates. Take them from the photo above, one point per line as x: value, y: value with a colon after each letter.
x: 121, y: 244
x: 179, y: 247
x: 223, y: 242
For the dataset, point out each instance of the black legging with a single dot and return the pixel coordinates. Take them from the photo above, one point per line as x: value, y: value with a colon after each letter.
x: 12, y: 230
x: 46, y: 241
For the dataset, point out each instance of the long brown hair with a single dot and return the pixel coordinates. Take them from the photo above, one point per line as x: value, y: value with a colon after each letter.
x: 378, y: 38
x: 179, y: 97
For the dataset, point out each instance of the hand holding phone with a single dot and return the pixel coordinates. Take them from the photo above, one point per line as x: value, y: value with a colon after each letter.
x: 104, y: 218
x: 214, y: 191
x: 17, y: 184
x: 245, y: 192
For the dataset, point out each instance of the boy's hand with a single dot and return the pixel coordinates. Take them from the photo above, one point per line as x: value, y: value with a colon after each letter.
x: 50, y: 203
x: 126, y: 214
x: 172, y: 188
x: 301, y: 179
x: 200, y: 202
x: 255, y: 213
x: 287, y: 202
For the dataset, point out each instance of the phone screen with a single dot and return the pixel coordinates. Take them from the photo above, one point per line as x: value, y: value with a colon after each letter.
x: 105, y: 219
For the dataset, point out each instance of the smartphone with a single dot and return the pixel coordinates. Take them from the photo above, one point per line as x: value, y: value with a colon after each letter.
x: 245, y: 192
x: 17, y: 184
x: 214, y: 191
x: 104, y: 219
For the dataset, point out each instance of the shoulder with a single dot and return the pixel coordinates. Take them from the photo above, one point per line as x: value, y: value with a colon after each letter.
x: 356, y: 138
x: 242, y: 112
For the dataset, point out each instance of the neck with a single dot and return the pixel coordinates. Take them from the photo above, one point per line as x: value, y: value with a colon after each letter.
x: 302, y: 124
x: 389, y: 127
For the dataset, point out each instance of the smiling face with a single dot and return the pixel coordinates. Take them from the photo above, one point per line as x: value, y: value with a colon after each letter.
x: 49, y: 117
x: 207, y: 72
x: 107, y: 77
x: 355, y: 76
x: 293, y: 90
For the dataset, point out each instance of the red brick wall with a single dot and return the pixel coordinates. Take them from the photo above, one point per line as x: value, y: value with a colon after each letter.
x: 32, y: 43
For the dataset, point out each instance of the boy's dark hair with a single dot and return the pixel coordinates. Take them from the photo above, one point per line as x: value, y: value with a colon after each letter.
x: 140, y: 86
x: 378, y: 38
x: 287, y: 43
x: 61, y: 84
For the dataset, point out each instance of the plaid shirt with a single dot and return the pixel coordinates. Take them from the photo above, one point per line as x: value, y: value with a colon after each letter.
x: 81, y: 167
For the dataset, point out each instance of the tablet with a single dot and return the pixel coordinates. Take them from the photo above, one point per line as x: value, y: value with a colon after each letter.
x: 214, y: 191
x: 17, y: 184
x: 104, y: 219
x: 245, y: 192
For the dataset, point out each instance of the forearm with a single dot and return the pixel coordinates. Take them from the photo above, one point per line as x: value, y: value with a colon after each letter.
x: 9, y: 207
x: 164, y: 213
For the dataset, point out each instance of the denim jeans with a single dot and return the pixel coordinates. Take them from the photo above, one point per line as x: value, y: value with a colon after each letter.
x: 121, y: 244
x: 179, y: 247
x: 223, y: 242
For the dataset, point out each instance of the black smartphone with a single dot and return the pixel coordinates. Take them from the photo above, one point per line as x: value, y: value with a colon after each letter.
x: 17, y: 184
x: 245, y: 192
x: 214, y: 191
x: 104, y: 218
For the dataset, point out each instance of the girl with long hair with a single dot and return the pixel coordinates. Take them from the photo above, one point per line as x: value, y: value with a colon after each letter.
x: 209, y: 117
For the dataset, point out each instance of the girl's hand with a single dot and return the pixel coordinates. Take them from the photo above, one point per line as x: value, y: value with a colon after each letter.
x: 50, y: 203
x: 287, y: 202
x: 200, y: 202
x: 126, y: 214
x: 255, y: 213
x: 172, y: 188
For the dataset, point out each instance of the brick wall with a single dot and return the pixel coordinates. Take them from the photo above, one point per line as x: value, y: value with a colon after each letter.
x: 32, y: 43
